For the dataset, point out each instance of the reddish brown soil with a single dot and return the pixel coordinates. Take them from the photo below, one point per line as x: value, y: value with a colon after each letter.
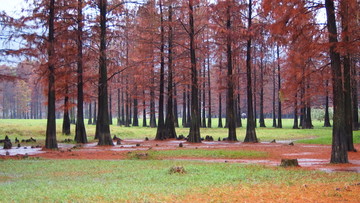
x: 309, y: 156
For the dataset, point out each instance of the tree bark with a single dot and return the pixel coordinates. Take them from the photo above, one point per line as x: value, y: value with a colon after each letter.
x: 274, y: 100
x: 339, y: 144
x: 355, y: 103
x: 209, y: 92
x: 176, y: 117
x: 296, y: 125
x: 160, y: 134
x: 327, y: 115
x: 279, y: 125
x: 90, y: 114
x: 250, y: 128
x: 136, y: 114
x: 144, y: 111
x: 230, y: 114
x: 262, y: 119
x: 102, y: 125
x: 194, y: 134
x: 169, y: 122
x: 50, y: 141
x: 66, y: 120
x: 80, y: 132
x: 110, y: 108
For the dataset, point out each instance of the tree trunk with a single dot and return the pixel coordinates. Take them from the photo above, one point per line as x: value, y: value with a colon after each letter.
x: 209, y: 92
x: 347, y: 76
x: 230, y: 114
x: 279, y: 89
x: 136, y: 115
x: 169, y: 122
x: 110, y: 108
x: 262, y: 119
x: 296, y: 125
x: 118, y: 123
x: 184, y: 120
x: 102, y: 125
x: 95, y: 115
x: 66, y: 121
x: 339, y: 144
x: 144, y: 110
x: 250, y: 128
x: 194, y: 134
x: 123, y: 103
x: 204, y: 97
x: 80, y: 132
x: 327, y: 115
x: 355, y: 108
x: 50, y: 142
x: 176, y: 118
x: 220, y: 124
x: 90, y: 114
x: 160, y: 134
x: 274, y: 100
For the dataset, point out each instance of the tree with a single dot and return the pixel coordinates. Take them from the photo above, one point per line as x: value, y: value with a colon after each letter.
x: 50, y: 141
x: 102, y: 124
x: 250, y: 128
x: 339, y: 143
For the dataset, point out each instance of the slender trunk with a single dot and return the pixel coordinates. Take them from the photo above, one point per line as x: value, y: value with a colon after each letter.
x: 152, y: 100
x: 188, y: 119
x: 90, y: 114
x: 339, y: 145
x: 274, y: 100
x: 296, y: 125
x: 184, y: 120
x: 118, y: 123
x: 136, y: 115
x: 176, y: 117
x: 110, y: 108
x: 220, y: 124
x: 250, y: 128
x: 355, y: 108
x: 204, y: 97
x: 95, y: 115
x: 144, y: 110
x: 279, y: 89
x: 102, y: 125
x: 169, y: 122
x: 123, y: 103
x: 50, y: 142
x: 347, y: 76
x: 194, y: 134
x: 209, y: 92
x: 230, y: 114
x: 80, y: 132
x: 327, y: 115
x: 160, y: 134
x: 262, y: 119
x: 66, y: 120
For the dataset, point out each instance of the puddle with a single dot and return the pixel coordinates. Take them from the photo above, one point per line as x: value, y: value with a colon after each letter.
x: 21, y: 151
x: 298, y: 154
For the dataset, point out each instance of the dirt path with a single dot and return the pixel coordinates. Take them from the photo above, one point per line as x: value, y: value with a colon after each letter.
x: 309, y: 156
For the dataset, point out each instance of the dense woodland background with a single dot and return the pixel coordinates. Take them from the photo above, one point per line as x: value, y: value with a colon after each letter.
x: 193, y: 60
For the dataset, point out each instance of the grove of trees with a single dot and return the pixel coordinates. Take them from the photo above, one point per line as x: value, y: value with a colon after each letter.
x: 193, y: 60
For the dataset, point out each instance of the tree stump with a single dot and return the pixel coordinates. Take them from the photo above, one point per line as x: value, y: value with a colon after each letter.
x: 289, y: 162
x: 177, y: 169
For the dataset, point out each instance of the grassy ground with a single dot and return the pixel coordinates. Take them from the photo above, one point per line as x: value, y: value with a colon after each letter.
x: 24, y: 129
x: 143, y: 180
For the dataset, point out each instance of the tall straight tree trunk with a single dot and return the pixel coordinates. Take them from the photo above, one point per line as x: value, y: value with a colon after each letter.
x: 136, y: 115
x: 188, y: 119
x: 279, y: 88
x: 110, y: 108
x: 118, y: 123
x: 184, y: 120
x: 230, y: 94
x: 95, y: 115
x: 262, y: 119
x: 220, y: 124
x: 127, y: 107
x: 50, y: 141
x: 152, y: 100
x: 274, y: 100
x: 102, y: 125
x: 296, y: 125
x: 90, y: 114
x: 80, y: 132
x: 123, y: 103
x: 354, y: 89
x: 339, y: 137
x: 160, y: 134
x: 169, y: 122
x: 204, y: 97
x: 66, y: 120
x: 327, y: 115
x: 176, y: 118
x: 144, y: 110
x: 250, y: 128
x: 194, y: 134
x: 347, y: 75
x: 209, y: 91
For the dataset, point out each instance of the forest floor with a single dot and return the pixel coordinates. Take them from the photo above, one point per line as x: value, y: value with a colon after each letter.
x: 310, y: 157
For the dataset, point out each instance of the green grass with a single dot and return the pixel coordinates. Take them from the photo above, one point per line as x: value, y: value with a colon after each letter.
x: 135, y: 181
x: 24, y: 129
x: 197, y: 153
